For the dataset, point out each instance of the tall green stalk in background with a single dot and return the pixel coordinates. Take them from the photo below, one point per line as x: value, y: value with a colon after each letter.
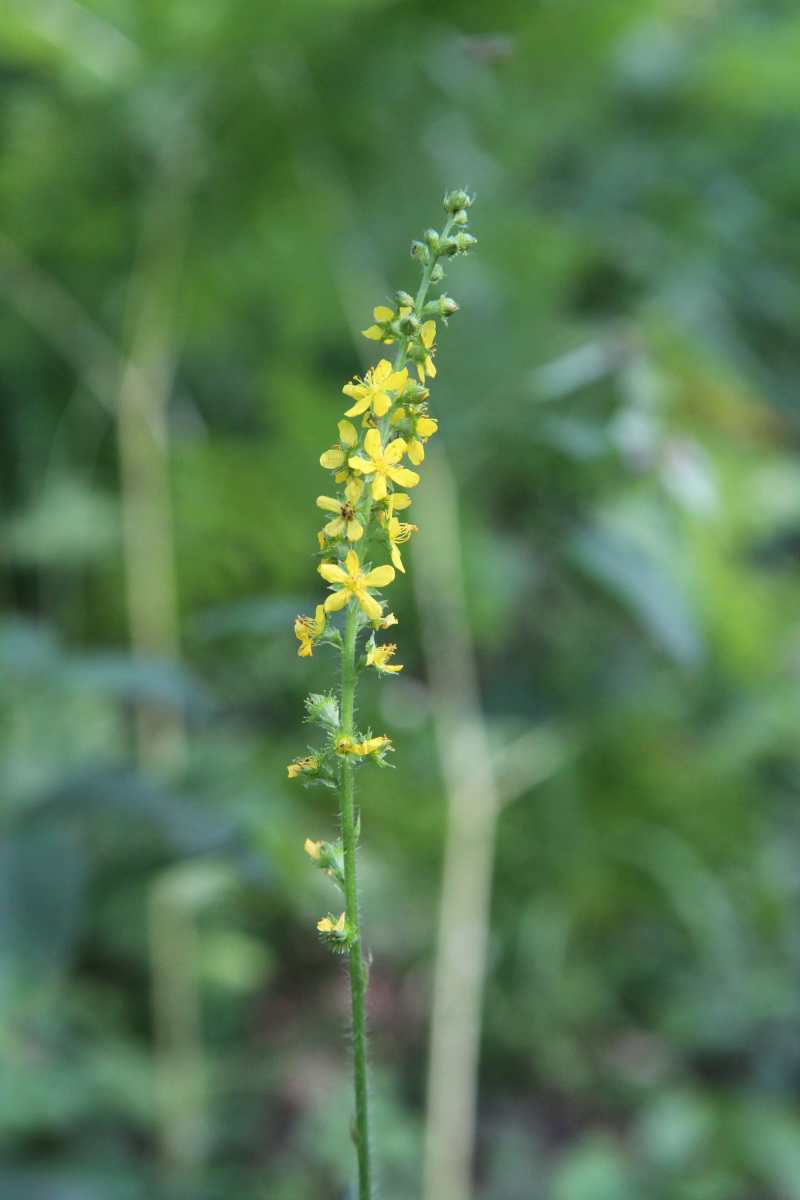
x: 368, y: 470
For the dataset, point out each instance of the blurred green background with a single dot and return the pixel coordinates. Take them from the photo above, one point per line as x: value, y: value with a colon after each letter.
x: 200, y: 202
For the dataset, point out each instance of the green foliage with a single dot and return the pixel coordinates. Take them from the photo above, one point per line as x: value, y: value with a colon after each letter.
x: 618, y: 400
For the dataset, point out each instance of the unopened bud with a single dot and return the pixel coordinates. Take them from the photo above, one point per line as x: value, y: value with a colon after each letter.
x: 408, y: 325
x: 465, y: 242
x: 403, y: 300
x: 437, y: 274
x: 414, y: 393
x: 460, y: 218
x: 431, y: 239
x: 324, y: 709
x: 454, y: 201
x: 420, y: 252
x: 449, y: 246
x: 447, y: 306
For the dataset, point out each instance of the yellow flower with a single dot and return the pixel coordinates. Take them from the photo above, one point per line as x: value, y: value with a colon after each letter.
x: 373, y: 389
x: 424, y: 427
x: 379, y: 656
x: 398, y: 531
x: 303, y: 766
x: 426, y: 367
x: 336, y: 457
x: 313, y: 848
x: 352, y: 582
x: 389, y: 619
x: 326, y: 925
x: 348, y: 747
x: 382, y: 464
x: 308, y: 629
x: 375, y: 333
x: 346, y: 521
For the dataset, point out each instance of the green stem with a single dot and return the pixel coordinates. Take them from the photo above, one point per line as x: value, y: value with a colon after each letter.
x: 358, y: 983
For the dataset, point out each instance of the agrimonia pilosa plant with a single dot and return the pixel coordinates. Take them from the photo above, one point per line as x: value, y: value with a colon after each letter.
x: 387, y: 423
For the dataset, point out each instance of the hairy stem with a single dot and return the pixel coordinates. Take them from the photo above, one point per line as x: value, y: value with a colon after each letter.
x: 358, y: 983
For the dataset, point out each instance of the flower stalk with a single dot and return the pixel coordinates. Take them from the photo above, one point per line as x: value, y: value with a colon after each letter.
x: 391, y: 411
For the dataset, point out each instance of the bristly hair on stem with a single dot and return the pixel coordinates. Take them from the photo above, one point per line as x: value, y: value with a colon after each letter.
x: 386, y: 423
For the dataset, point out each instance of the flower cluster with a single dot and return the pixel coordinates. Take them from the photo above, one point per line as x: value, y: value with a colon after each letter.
x: 382, y: 437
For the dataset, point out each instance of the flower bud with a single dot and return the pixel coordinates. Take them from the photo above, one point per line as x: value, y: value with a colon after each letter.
x: 437, y: 274
x: 431, y: 239
x: 465, y: 241
x: 414, y: 393
x: 420, y: 252
x: 408, y: 325
x: 454, y: 201
x: 449, y: 246
x: 447, y: 306
x: 323, y: 709
x: 460, y: 218
x: 403, y: 300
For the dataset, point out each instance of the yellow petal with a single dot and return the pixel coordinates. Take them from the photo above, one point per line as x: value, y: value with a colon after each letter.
x: 394, y: 451
x: 396, y: 381
x: 359, y: 407
x: 381, y: 372
x: 370, y: 606
x: 397, y: 560
x: 347, y: 433
x: 429, y: 367
x: 355, y: 530
x: 399, y: 500
x: 372, y: 443
x: 332, y: 573
x: 362, y: 464
x: 427, y: 426
x: 379, y: 577
x: 381, y: 404
x: 416, y: 452
x: 313, y: 848
x: 337, y: 600
x: 354, y: 491
x: 379, y: 488
x: 354, y: 390
x: 382, y: 313
x: 328, y: 503
x: 403, y: 476
x: 351, y: 562
x: 332, y: 458
x: 335, y: 528
x: 375, y: 334
x: 428, y: 333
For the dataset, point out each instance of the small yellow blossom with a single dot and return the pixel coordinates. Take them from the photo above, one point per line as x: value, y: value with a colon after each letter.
x: 397, y: 532
x: 348, y: 747
x: 303, y: 766
x: 426, y: 367
x: 353, y: 582
x: 374, y: 388
x: 379, y: 656
x: 308, y: 629
x: 382, y: 464
x: 346, y: 522
x: 336, y: 457
x: 424, y: 427
x: 326, y: 925
x: 375, y: 333
x: 385, y: 622
x: 313, y: 848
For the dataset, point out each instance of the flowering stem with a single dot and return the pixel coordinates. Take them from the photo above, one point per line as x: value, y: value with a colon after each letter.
x: 358, y: 982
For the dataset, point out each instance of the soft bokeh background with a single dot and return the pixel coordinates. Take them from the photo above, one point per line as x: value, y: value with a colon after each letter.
x: 200, y: 202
